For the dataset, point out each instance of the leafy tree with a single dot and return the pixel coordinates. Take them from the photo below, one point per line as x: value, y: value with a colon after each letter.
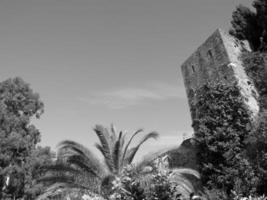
x: 256, y: 67
x: 78, y: 167
x: 255, y: 64
x: 250, y: 25
x: 222, y: 126
x: 18, y: 137
x: 257, y: 151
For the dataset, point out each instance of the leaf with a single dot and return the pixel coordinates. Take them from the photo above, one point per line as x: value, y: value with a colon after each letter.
x: 128, y: 144
x: 117, y: 153
x: 68, y: 148
x: 104, y: 138
x: 131, y: 153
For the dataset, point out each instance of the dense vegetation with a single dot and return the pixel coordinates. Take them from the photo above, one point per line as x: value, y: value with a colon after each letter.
x: 251, y: 25
x: 117, y: 177
x: 222, y: 127
x: 232, y: 150
x: 255, y: 65
x: 20, y: 158
x: 78, y: 167
x: 28, y: 170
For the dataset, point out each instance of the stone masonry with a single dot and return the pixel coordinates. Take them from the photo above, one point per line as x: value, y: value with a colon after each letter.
x: 218, y: 60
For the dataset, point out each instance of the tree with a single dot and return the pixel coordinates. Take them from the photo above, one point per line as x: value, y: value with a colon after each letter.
x: 257, y: 151
x: 255, y: 64
x: 78, y: 167
x: 222, y: 126
x: 250, y: 25
x: 18, y: 136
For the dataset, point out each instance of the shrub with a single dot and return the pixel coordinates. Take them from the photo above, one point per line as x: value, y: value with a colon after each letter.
x: 222, y: 126
x: 156, y: 183
x: 256, y: 67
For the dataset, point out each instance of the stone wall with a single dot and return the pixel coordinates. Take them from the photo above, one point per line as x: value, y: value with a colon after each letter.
x: 218, y: 60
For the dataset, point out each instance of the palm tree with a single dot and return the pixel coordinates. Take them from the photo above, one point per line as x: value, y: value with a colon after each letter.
x: 78, y: 167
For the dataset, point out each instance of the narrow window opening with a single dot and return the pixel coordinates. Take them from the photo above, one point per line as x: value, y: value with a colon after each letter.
x: 210, y: 56
x: 193, y: 68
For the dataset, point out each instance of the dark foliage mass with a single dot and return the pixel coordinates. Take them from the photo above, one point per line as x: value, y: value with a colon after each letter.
x: 257, y: 152
x: 251, y: 25
x: 19, y: 157
x: 232, y: 150
x: 222, y: 126
x: 256, y: 67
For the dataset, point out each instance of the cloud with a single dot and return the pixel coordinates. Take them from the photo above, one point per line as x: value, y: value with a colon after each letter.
x: 130, y: 96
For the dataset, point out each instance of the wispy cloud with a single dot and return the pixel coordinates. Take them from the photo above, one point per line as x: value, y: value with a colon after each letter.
x: 130, y: 96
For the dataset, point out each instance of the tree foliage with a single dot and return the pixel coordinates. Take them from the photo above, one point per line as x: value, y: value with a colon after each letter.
x: 18, y: 137
x: 255, y: 64
x: 256, y: 67
x: 78, y: 167
x: 251, y: 25
x: 159, y: 182
x: 222, y: 125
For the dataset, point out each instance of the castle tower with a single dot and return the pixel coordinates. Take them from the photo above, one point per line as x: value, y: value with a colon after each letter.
x: 218, y: 60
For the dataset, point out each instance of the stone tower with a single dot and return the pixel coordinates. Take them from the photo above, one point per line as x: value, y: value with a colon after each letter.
x: 218, y: 60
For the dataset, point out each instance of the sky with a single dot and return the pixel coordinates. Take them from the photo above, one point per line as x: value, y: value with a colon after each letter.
x: 108, y: 61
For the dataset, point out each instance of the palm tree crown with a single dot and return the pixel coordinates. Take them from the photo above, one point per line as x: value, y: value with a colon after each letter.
x: 78, y: 167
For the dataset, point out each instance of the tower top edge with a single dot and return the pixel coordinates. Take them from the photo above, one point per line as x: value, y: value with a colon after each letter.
x: 219, y: 33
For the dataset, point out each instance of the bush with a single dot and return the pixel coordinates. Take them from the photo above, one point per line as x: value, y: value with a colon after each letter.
x: 156, y: 183
x: 222, y: 126
x: 256, y: 67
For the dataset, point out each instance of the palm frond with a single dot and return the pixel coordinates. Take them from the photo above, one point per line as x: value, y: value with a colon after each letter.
x: 184, y: 184
x: 132, y: 152
x: 183, y: 178
x: 85, y: 165
x: 123, y: 141
x: 116, y: 154
x: 113, y: 136
x: 59, y: 167
x: 104, y: 138
x: 57, y: 178
x: 128, y: 144
x: 52, y: 190
x: 68, y: 148
x: 185, y: 171
x: 58, y: 188
x: 109, y: 166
